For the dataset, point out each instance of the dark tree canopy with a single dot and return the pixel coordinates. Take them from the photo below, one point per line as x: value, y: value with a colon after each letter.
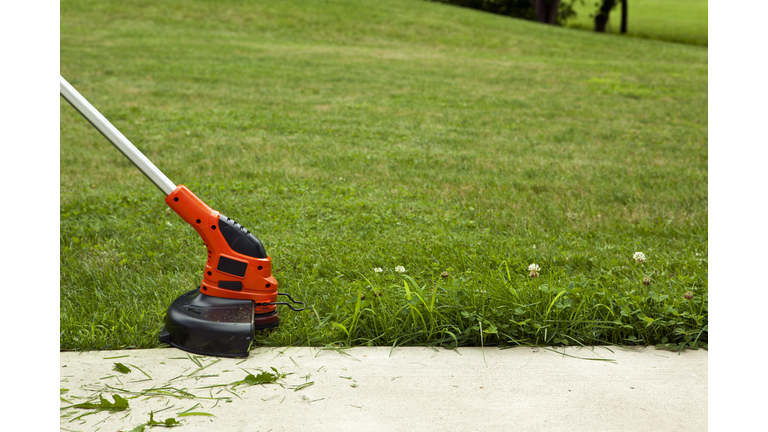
x: 545, y: 11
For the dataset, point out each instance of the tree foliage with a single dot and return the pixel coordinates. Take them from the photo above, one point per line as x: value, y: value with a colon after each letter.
x: 525, y: 9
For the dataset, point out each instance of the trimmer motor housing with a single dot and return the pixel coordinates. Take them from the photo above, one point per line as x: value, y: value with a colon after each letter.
x: 238, y: 293
x: 237, y: 265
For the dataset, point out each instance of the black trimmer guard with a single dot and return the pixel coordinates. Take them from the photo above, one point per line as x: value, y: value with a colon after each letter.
x: 213, y: 326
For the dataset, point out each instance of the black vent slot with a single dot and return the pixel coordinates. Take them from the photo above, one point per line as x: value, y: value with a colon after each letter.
x: 231, y: 285
x: 232, y: 267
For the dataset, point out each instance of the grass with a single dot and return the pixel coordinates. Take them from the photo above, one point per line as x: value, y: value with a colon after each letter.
x: 350, y: 135
x: 682, y: 21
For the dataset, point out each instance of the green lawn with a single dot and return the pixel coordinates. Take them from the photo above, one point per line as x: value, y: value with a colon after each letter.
x: 352, y: 134
x: 671, y: 20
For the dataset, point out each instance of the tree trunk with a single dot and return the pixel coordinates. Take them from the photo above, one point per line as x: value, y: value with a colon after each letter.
x: 546, y: 11
x: 623, y: 16
x: 601, y: 19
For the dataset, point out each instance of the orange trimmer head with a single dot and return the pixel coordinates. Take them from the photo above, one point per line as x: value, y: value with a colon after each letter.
x: 237, y: 294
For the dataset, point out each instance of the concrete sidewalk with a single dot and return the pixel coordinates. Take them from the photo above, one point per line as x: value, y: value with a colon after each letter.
x: 405, y: 389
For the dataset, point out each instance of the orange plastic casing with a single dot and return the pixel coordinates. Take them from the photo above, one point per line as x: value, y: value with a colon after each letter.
x: 258, y: 284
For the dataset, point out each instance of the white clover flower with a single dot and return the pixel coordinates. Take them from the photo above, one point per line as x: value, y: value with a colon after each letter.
x: 639, y: 257
x: 378, y: 270
x: 534, y: 270
x: 400, y: 269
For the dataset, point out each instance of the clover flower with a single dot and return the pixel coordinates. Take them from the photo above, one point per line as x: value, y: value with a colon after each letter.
x: 378, y: 270
x: 534, y: 270
x: 400, y: 269
x: 639, y: 257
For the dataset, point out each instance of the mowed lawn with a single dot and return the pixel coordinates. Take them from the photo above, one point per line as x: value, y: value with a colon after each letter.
x: 672, y: 20
x: 350, y: 135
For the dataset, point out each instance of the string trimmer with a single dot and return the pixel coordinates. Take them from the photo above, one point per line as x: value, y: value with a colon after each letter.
x: 238, y: 293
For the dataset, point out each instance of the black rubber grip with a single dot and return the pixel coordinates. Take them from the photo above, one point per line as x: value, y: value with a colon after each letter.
x: 239, y: 239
